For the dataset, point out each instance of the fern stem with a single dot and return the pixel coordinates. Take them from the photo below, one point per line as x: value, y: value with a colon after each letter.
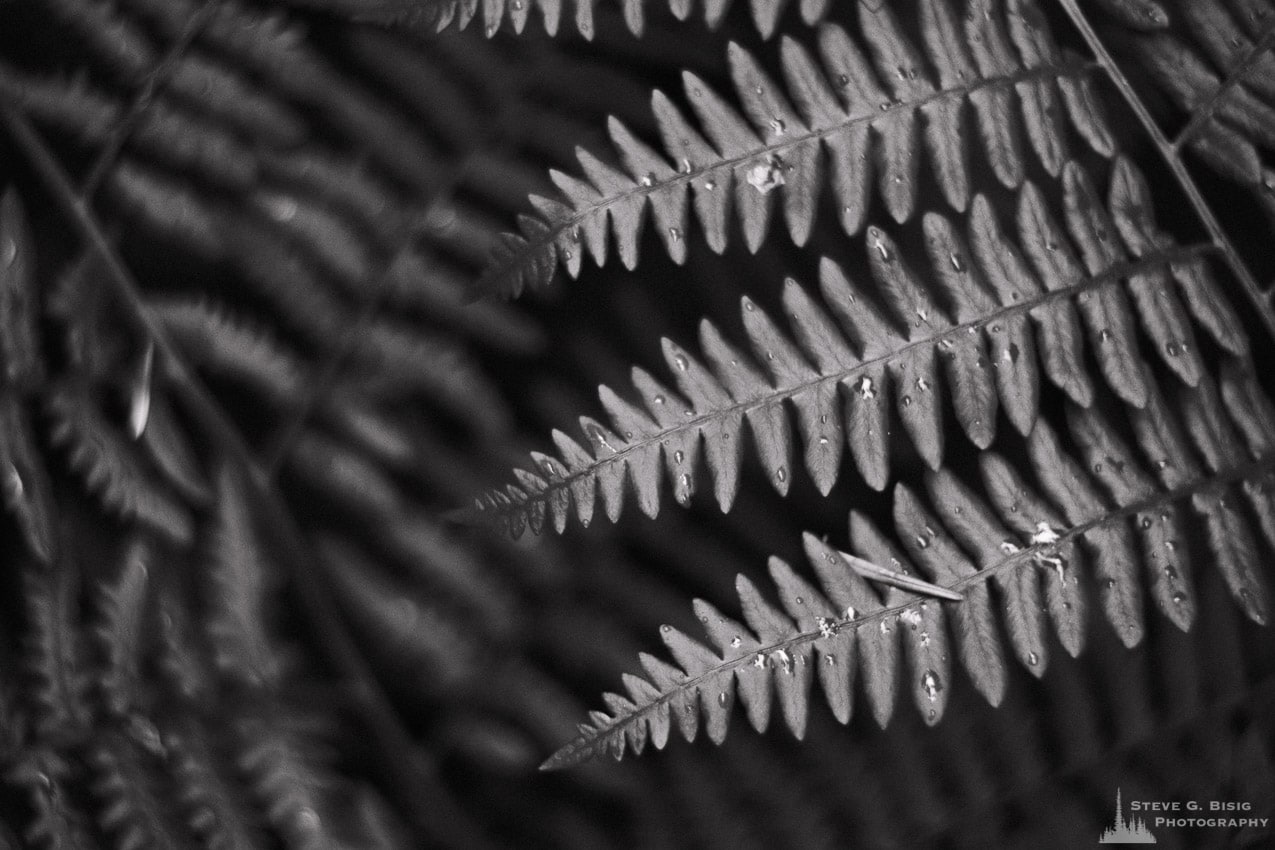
x: 420, y: 797
x: 1235, y: 76
x: 155, y: 83
x: 1171, y: 155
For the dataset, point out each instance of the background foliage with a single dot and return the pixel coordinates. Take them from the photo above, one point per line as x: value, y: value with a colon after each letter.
x: 243, y: 389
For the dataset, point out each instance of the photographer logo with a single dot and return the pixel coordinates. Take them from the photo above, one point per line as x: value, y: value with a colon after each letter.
x: 1121, y: 831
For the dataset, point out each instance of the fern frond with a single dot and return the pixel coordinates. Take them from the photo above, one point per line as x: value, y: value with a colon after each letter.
x: 1217, y: 69
x: 111, y: 466
x: 237, y: 591
x: 438, y: 15
x: 121, y: 628
x: 288, y: 783
x: 53, y: 653
x: 21, y: 364
x: 992, y: 313
x: 863, y: 111
x: 212, y: 801
x: 25, y: 488
x: 230, y: 348
x: 1117, y: 506
x: 57, y: 822
x: 133, y: 798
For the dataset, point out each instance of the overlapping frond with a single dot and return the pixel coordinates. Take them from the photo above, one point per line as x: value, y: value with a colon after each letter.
x: 238, y: 590
x: 992, y: 315
x: 121, y: 628
x: 437, y: 15
x: 838, y: 120
x: 1216, y: 66
x: 1029, y: 548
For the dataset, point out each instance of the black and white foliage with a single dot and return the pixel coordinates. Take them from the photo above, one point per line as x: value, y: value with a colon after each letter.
x: 248, y: 370
x: 997, y: 317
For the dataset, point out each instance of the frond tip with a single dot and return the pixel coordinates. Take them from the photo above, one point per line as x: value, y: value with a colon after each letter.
x: 855, y: 111
x: 992, y: 315
x: 1027, y: 551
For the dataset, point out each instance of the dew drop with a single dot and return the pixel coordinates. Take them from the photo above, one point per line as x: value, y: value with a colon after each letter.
x: 722, y: 699
x: 736, y: 641
x: 778, y: 127
x: 1033, y: 659
x: 681, y: 362
x: 931, y: 684
x: 781, y: 474
x: 648, y: 179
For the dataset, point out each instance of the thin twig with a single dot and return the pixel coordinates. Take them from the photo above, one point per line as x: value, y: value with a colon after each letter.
x: 1171, y: 157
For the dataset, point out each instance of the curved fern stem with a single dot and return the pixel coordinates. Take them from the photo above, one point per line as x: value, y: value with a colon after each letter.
x: 1171, y: 154
x: 405, y: 778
